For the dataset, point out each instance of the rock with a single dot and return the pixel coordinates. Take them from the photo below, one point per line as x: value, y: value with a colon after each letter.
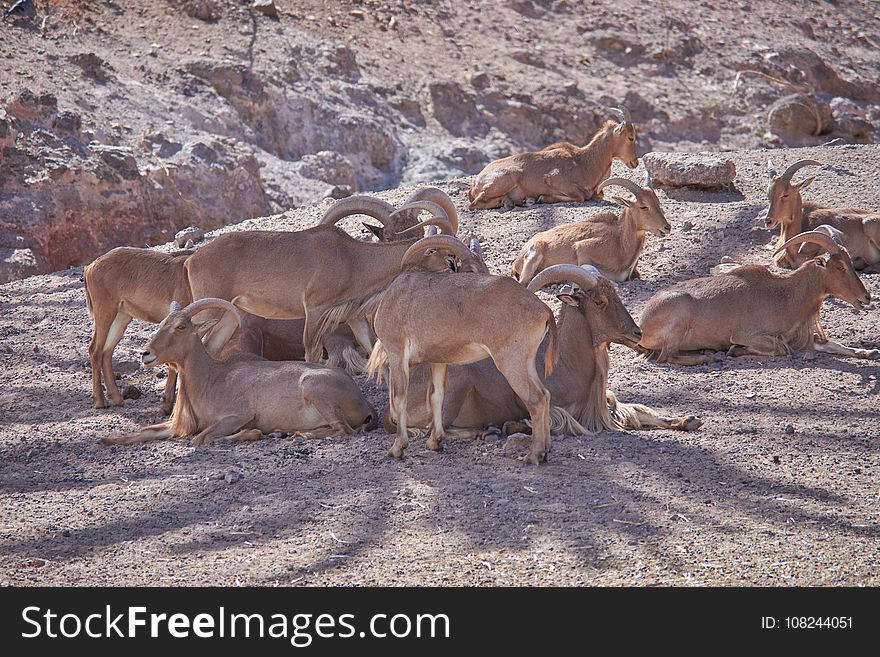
x: 330, y: 167
x: 190, y: 233
x: 131, y: 392
x: 690, y: 170
x: 204, y: 10
x: 266, y: 7
x: 338, y: 191
x: 687, y: 226
x: 515, y: 442
x: 851, y: 120
x: 789, y: 429
x: 69, y: 122
x: 232, y: 476
x: 92, y: 66
x: 456, y: 110
x: 799, y: 114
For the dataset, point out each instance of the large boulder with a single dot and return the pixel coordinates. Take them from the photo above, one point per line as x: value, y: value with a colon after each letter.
x: 690, y: 170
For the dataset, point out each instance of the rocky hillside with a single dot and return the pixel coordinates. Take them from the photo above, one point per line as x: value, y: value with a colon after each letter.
x: 123, y: 121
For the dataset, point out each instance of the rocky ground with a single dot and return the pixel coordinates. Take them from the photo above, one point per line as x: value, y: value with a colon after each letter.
x: 122, y: 122
x: 779, y: 487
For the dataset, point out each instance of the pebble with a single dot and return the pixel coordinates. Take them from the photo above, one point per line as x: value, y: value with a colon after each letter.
x: 789, y: 429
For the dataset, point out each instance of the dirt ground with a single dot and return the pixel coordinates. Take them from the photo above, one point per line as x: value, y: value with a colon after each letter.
x: 780, y: 486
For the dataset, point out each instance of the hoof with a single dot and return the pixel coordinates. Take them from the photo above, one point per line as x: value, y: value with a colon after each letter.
x: 535, y: 459
x: 435, y: 445
x: 395, y: 452
x: 691, y: 423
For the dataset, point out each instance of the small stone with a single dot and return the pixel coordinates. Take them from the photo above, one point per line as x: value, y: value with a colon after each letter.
x: 777, y: 460
x: 190, y: 233
x: 690, y: 170
x: 687, y: 226
x: 276, y: 435
x: 232, y: 476
x: 266, y: 7
x: 338, y: 191
x: 515, y: 442
x: 65, y: 533
x: 789, y: 429
x: 131, y: 392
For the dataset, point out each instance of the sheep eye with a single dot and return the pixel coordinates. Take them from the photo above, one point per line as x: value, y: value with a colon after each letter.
x: 644, y: 207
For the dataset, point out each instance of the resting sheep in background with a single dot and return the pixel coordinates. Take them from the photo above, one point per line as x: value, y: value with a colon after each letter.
x: 560, y: 173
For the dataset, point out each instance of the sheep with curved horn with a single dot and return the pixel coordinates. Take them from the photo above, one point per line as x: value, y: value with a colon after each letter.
x: 859, y: 228
x: 753, y: 311
x: 612, y: 244
x: 559, y: 173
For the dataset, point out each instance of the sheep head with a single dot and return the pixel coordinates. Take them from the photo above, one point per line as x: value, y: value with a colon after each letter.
x: 645, y: 209
x: 178, y: 335
x: 785, y: 198
x: 624, y: 143
x: 839, y: 275
x: 591, y: 298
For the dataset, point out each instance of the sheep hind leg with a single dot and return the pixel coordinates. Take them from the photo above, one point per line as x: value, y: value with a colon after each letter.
x: 114, y: 335
x: 689, y: 357
x: 103, y: 322
x: 223, y: 428
x: 638, y: 416
x: 519, y: 370
x: 435, y: 399
x: 147, y: 434
x: 838, y: 349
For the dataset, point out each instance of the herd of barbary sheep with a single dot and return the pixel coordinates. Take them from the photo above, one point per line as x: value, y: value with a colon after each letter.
x: 250, y: 352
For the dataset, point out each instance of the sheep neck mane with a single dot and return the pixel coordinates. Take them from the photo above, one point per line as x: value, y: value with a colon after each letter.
x: 185, y: 418
x: 579, y: 383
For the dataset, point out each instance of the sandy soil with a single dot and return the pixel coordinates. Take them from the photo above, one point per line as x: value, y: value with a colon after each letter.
x: 778, y: 488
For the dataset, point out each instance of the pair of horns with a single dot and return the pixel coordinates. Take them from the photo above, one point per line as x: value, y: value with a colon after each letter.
x: 451, y: 245
x: 203, y: 304
x: 622, y: 114
x: 431, y: 199
x: 586, y: 277
x: 791, y: 170
x: 825, y: 236
x: 441, y: 218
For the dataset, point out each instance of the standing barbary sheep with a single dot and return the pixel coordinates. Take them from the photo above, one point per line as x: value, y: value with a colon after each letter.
x: 129, y: 282
x: 445, y: 318
x: 592, y: 316
x: 610, y: 243
x: 246, y: 395
x: 121, y: 285
x: 560, y: 173
x: 860, y: 229
x: 324, y: 270
x: 753, y: 311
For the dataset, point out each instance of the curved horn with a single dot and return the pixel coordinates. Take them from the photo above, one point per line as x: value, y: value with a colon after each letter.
x: 586, y: 277
x: 817, y: 237
x: 771, y: 168
x: 368, y: 205
x: 477, y: 250
x: 623, y: 182
x: 212, y: 302
x: 790, y: 171
x: 452, y: 245
x: 439, y: 197
x: 622, y: 113
x: 440, y: 219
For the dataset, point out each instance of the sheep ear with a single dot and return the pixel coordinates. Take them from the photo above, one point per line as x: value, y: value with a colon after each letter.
x: 378, y: 231
x: 203, y: 327
x: 625, y: 202
x: 174, y: 307
x: 806, y: 182
x: 568, y: 299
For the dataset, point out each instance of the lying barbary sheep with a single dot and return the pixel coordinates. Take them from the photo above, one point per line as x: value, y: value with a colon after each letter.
x: 244, y: 396
x: 560, y: 173
x: 609, y: 242
x: 751, y: 311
